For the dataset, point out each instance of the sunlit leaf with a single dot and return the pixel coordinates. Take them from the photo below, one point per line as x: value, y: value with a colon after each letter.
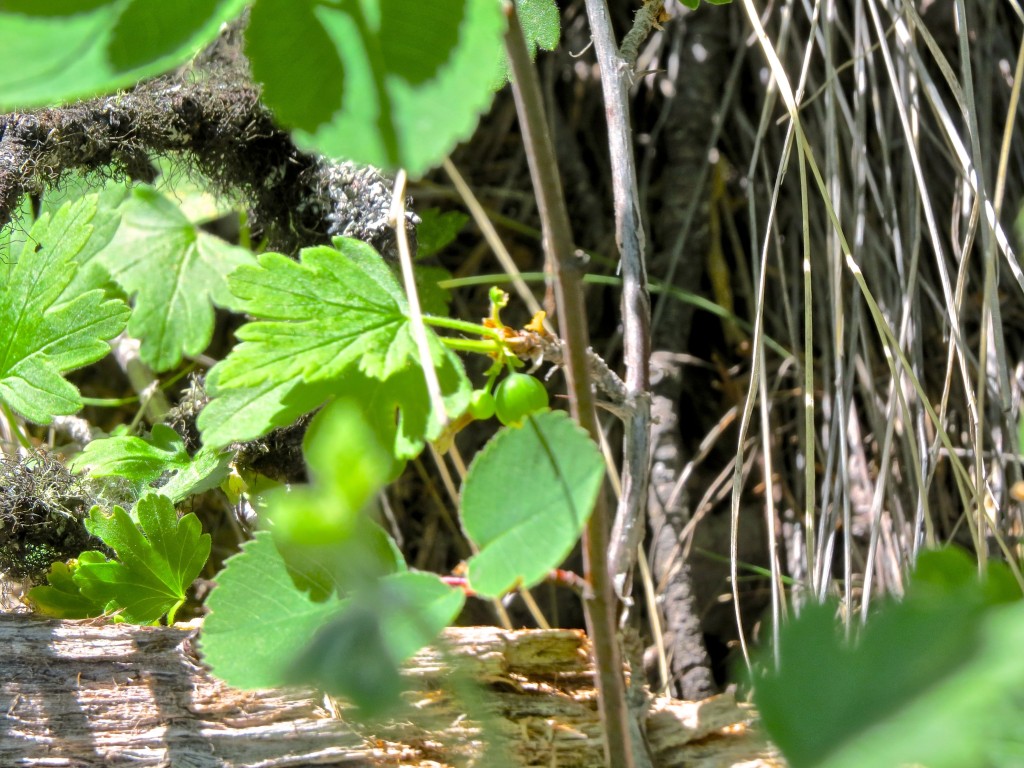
x: 265, y: 631
x: 383, y: 82
x: 174, y: 271
x: 59, y: 50
x: 324, y: 326
x: 259, y: 619
x: 134, y: 458
x: 145, y: 460
x: 61, y: 598
x: 526, y: 498
x: 43, y: 333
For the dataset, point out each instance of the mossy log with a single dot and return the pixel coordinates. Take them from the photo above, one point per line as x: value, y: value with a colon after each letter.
x: 81, y: 693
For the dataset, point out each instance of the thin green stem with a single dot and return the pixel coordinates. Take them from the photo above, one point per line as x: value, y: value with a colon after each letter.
x: 110, y: 402
x: 470, y: 345
x: 686, y: 297
x: 117, y: 402
x: 461, y: 325
x: 12, y: 421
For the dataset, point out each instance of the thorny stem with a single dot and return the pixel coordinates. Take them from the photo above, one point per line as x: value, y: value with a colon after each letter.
x: 567, y: 270
x: 636, y: 303
x: 627, y: 532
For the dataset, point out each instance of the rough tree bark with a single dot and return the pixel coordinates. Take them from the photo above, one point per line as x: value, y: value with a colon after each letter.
x: 701, y: 45
x: 84, y: 694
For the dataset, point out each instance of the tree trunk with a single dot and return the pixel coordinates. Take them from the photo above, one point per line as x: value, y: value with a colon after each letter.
x: 702, y: 45
x: 84, y: 694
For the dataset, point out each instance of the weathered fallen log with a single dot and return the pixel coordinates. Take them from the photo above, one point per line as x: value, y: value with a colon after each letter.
x: 87, y: 694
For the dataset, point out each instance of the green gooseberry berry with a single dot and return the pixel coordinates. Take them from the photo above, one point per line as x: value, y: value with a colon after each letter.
x: 519, y: 395
x: 481, y: 404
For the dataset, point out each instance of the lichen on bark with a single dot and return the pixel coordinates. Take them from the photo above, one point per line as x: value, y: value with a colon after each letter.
x: 207, y: 116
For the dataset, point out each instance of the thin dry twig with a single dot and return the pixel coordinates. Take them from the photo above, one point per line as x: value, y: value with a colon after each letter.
x: 566, y: 268
x: 636, y: 304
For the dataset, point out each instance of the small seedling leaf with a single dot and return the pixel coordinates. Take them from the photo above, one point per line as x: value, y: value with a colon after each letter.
x: 541, y: 23
x: 158, y: 559
x: 437, y: 230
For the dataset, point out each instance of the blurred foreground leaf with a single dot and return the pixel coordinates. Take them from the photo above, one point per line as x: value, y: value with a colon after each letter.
x: 936, y: 679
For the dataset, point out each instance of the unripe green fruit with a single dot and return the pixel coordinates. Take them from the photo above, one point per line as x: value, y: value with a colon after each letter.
x: 481, y: 404
x: 518, y: 395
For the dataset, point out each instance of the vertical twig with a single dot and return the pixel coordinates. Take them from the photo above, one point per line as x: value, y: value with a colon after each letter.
x: 573, y: 322
x: 153, y: 402
x: 419, y: 330
x: 636, y: 305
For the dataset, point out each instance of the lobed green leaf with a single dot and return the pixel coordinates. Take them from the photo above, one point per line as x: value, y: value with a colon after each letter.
x: 146, y: 460
x: 384, y: 82
x: 133, y: 458
x: 61, y: 50
x: 175, y: 271
x: 333, y: 324
x: 44, y: 333
x: 158, y: 560
x: 61, y: 598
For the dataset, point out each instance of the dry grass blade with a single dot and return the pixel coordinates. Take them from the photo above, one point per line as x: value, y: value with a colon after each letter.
x: 901, y: 321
